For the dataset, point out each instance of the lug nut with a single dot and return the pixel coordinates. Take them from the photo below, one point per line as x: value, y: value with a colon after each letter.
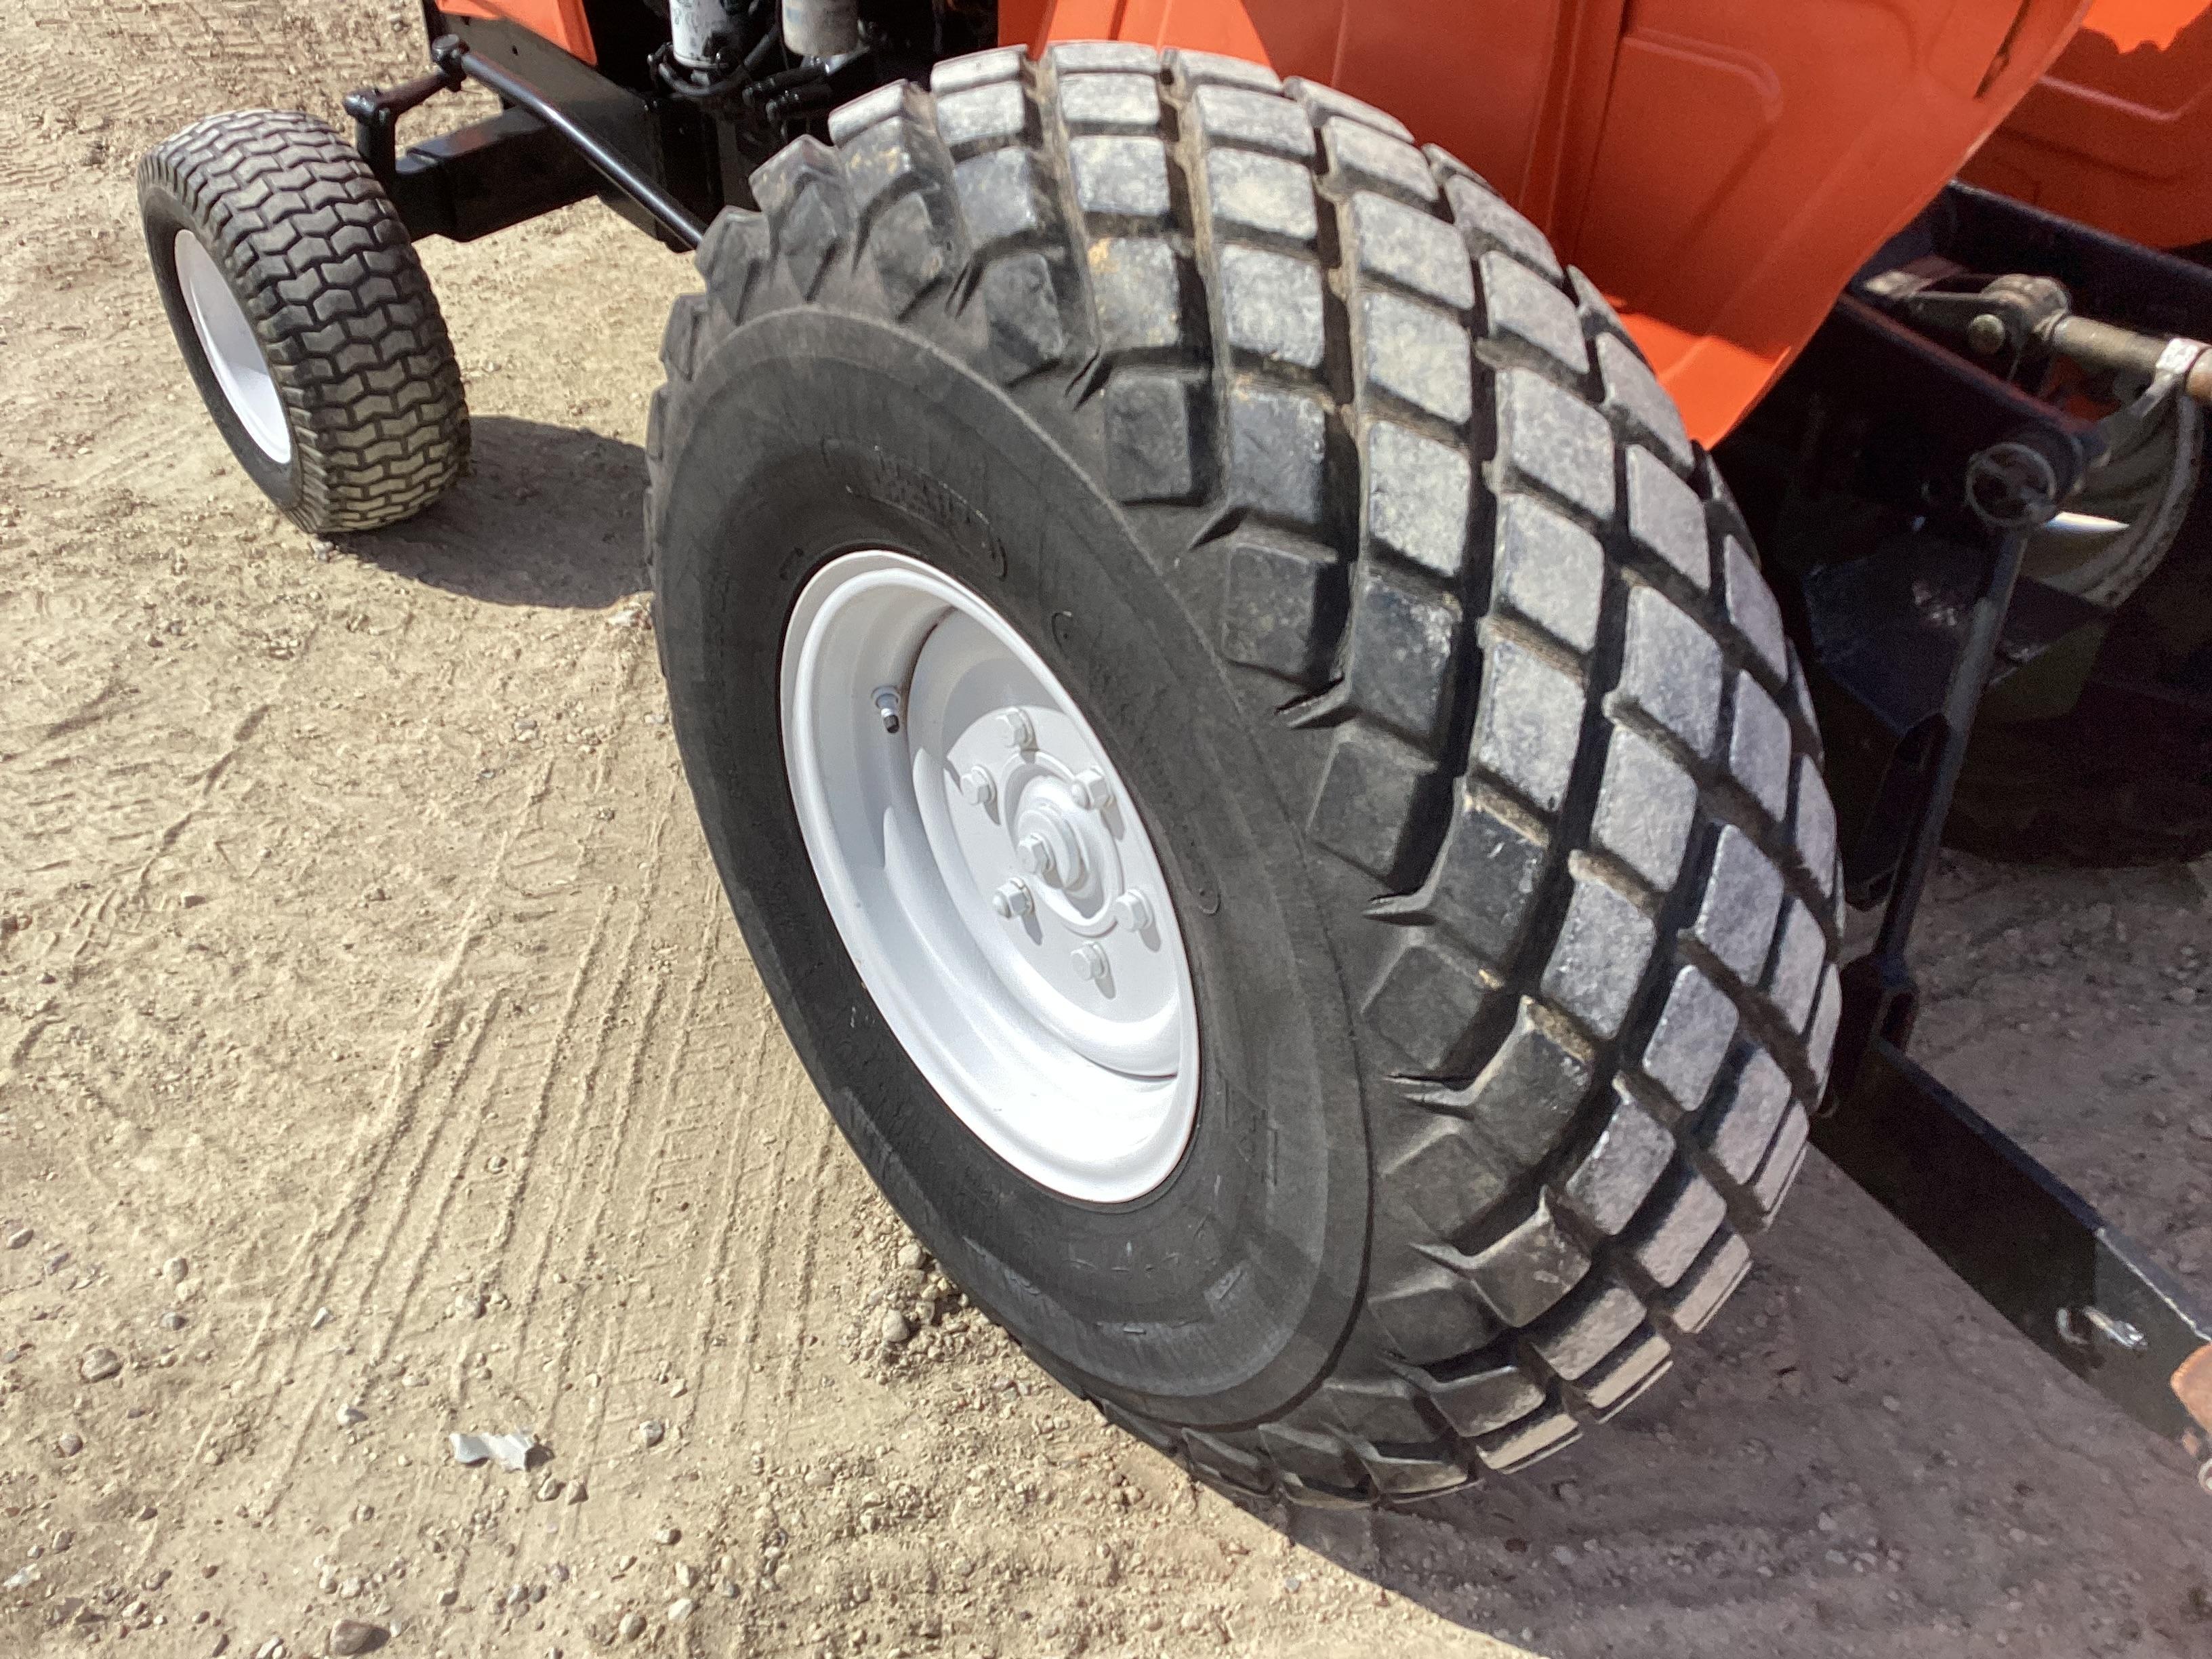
x: 1090, y: 961
x: 1015, y: 726
x: 890, y: 706
x: 1090, y: 790
x: 1034, y: 854
x: 976, y: 787
x: 1134, y: 909
x: 1012, y: 900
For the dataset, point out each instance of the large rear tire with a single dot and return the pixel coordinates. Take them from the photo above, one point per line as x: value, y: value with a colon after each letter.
x: 1426, y: 647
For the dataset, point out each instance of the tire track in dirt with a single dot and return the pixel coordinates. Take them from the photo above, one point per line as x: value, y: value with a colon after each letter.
x: 325, y: 1250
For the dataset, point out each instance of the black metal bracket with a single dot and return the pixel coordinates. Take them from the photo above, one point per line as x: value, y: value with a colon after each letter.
x: 453, y: 57
x: 2033, y: 1248
x: 2019, y: 1237
x: 376, y: 112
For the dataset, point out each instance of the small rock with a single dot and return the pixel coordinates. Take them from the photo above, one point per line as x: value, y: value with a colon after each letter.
x: 559, y: 1573
x: 18, y: 1237
x: 447, y: 1596
x: 63, y: 1541
x: 651, y: 1433
x: 271, y: 1649
x: 1562, y: 1555
x: 1568, y: 1493
x: 99, y: 1365
x: 729, y: 1588
x: 175, y: 1268
x: 665, y: 1535
x: 147, y: 1512
x: 348, y: 1415
x: 632, y: 1626
x: 2200, y: 1128
x: 686, y: 1575
x: 912, y: 1256
x: 576, y: 1490
x: 680, y: 1609
x: 2183, y: 994
x: 353, y: 1636
x: 322, y: 1318
x: 549, y: 1489
x: 1890, y: 1402
x: 70, y: 1444
x: 173, y: 1320
x: 517, y: 1595
x: 1825, y: 1522
x: 470, y: 1305
x: 349, y: 1589
x: 896, y: 1328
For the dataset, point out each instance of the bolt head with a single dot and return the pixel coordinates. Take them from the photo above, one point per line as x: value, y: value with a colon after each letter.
x: 1034, y: 854
x: 1090, y: 961
x: 1987, y: 334
x: 1012, y: 899
x: 1134, y: 909
x: 1090, y: 790
x: 1014, y: 725
x: 976, y: 786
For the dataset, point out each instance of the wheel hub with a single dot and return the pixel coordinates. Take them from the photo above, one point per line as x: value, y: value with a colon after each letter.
x: 997, y: 890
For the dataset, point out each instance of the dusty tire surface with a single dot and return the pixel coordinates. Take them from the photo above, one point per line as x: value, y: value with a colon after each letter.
x: 1439, y: 659
x: 315, y: 253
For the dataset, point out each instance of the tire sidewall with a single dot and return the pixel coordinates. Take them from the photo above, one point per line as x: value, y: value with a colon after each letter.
x: 165, y: 213
x: 1221, y: 1296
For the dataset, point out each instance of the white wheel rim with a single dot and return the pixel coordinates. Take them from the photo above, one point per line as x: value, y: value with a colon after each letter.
x: 1086, y: 1084
x: 228, y: 342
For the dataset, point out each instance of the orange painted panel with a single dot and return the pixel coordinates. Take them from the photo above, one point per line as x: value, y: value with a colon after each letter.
x: 561, y: 21
x: 2119, y: 133
x: 1719, y: 168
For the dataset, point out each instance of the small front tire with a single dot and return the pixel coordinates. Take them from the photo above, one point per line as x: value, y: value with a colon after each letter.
x: 306, y: 319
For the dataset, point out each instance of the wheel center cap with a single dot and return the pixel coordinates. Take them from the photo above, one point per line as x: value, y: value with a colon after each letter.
x: 1048, y: 847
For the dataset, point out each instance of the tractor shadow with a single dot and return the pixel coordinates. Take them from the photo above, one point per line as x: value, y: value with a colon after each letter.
x: 547, y: 515
x: 1856, y: 1453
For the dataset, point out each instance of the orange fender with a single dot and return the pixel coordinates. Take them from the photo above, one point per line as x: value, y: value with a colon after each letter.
x: 2119, y: 133
x: 561, y: 21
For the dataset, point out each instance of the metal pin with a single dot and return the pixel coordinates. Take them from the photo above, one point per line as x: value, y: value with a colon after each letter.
x: 890, y: 706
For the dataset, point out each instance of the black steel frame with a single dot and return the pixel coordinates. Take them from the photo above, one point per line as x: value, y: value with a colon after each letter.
x: 1941, y: 467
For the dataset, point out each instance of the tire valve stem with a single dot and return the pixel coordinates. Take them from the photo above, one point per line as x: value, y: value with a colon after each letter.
x: 890, y: 706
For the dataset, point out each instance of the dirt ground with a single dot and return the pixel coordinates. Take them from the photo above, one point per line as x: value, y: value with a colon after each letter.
x: 378, y: 1060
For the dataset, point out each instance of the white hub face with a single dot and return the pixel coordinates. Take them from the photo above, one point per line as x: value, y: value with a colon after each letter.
x: 227, y: 339
x: 990, y: 876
